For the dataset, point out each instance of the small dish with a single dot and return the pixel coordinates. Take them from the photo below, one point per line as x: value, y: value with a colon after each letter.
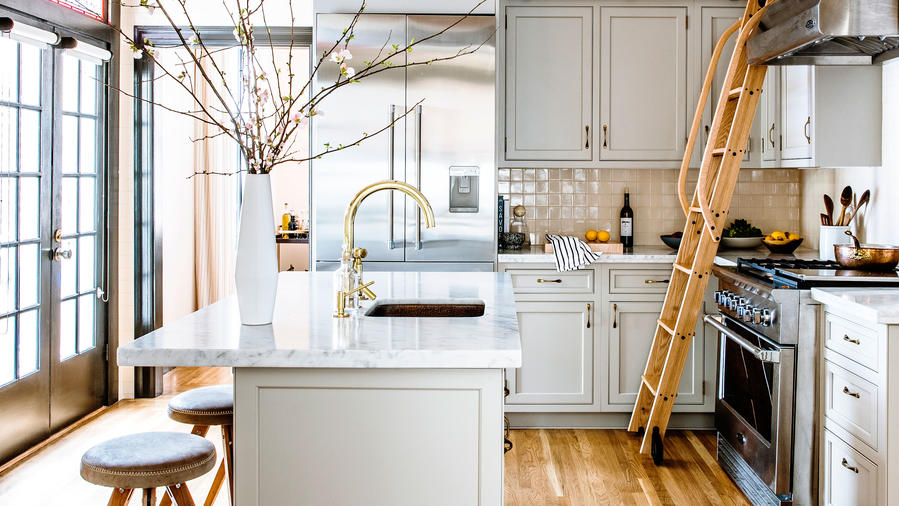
x: 671, y: 241
x: 785, y: 248
x: 741, y: 242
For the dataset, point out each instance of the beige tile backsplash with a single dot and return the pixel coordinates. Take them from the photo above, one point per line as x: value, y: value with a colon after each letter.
x: 572, y: 201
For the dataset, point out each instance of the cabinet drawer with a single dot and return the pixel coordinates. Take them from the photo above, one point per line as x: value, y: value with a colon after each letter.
x: 852, y: 341
x: 533, y: 281
x: 849, y: 477
x: 639, y: 280
x: 852, y: 402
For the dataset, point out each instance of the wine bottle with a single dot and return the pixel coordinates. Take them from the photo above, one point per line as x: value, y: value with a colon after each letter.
x: 627, y: 222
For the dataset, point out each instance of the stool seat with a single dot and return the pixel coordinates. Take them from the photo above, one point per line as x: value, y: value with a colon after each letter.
x: 148, y: 460
x: 204, y: 406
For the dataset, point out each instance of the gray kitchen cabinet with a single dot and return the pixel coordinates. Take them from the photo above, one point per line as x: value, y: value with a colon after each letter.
x: 631, y: 328
x: 548, y: 84
x: 715, y: 21
x: 643, y: 83
x: 557, y: 354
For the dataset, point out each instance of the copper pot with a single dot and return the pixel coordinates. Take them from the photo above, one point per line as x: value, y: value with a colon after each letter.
x: 866, y: 257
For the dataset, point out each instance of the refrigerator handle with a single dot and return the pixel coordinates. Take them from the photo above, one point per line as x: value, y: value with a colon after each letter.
x: 390, y: 175
x: 418, y: 173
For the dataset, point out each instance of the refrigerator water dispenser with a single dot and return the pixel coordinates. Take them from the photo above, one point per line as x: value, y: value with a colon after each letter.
x: 463, y: 197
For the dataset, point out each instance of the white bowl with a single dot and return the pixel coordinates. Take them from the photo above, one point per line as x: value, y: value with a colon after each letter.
x: 741, y: 242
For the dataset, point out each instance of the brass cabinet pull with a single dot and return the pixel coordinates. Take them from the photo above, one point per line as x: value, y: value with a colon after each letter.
x: 850, y: 340
x: 653, y: 281
x: 805, y: 130
x: 614, y: 316
x: 849, y: 393
x: 587, y: 131
x: 605, y: 136
x: 588, y: 316
x: 541, y: 280
x: 771, y: 135
x: 847, y: 466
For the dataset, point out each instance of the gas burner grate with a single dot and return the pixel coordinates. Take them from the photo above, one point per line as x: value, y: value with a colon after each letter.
x: 770, y: 264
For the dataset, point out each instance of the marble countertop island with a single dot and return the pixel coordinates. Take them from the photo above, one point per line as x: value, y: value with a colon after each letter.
x: 305, y: 334
x: 876, y: 305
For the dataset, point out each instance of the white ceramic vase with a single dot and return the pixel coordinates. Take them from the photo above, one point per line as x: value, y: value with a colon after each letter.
x: 256, y: 263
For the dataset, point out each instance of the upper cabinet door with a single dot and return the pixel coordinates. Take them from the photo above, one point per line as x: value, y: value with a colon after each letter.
x: 643, y: 65
x: 769, y: 108
x: 715, y: 21
x: 549, y: 98
x: 797, y: 85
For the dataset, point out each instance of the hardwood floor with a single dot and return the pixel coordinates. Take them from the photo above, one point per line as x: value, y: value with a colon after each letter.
x: 546, y: 467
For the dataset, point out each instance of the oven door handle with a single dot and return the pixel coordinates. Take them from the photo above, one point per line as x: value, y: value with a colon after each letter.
x: 770, y: 356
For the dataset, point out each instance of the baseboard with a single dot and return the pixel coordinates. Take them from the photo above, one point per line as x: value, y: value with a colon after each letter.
x: 602, y: 420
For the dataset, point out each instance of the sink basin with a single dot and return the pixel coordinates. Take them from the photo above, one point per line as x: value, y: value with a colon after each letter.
x: 427, y: 309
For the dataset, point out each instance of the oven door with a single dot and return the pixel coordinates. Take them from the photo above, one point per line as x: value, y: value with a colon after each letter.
x: 754, y: 407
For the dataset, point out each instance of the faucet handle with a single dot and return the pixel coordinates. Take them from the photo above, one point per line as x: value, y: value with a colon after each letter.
x: 360, y: 253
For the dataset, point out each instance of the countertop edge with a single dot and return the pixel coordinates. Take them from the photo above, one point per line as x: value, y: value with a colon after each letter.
x: 865, y: 312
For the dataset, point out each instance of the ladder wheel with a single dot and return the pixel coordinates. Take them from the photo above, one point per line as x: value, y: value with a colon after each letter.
x: 657, y: 449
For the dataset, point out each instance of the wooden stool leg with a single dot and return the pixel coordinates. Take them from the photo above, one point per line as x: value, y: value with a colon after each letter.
x: 216, y: 485
x: 149, y: 497
x: 120, y: 496
x: 180, y: 495
x: 200, y: 430
x: 228, y: 450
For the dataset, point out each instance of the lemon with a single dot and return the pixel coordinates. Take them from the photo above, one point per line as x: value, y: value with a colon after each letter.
x: 591, y: 235
x: 777, y: 235
x: 603, y: 236
x: 793, y: 237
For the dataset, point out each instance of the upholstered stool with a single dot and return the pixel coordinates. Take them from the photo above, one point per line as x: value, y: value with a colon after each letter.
x: 202, y: 408
x: 147, y: 461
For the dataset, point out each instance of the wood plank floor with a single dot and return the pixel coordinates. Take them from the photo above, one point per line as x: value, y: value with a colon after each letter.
x: 546, y: 467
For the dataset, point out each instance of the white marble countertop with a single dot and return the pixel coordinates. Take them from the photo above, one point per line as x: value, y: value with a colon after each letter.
x: 304, y: 333
x: 646, y: 254
x: 875, y: 305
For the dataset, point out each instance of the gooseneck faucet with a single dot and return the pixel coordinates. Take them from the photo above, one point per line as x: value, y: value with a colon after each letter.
x: 350, y: 272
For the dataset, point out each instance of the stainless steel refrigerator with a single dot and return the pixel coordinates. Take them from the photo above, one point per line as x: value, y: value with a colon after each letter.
x: 444, y: 147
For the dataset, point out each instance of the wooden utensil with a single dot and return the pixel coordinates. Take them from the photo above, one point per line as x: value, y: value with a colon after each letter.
x: 845, y: 200
x: 828, y: 207
x: 863, y: 201
x: 823, y: 219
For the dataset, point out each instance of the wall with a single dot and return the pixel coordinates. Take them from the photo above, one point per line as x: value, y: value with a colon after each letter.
x: 878, y: 223
x: 572, y: 201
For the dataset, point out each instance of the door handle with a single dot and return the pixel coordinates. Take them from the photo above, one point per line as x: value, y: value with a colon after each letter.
x: 805, y: 129
x: 850, y: 393
x: 771, y: 135
x: 541, y: 280
x: 847, y: 466
x: 391, y: 243
x: 60, y: 254
x: 605, y: 136
x: 587, y: 136
x: 418, y: 174
x: 614, y: 316
x: 654, y: 281
x: 588, y: 316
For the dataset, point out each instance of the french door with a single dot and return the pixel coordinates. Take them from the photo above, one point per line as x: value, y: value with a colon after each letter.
x: 52, y: 174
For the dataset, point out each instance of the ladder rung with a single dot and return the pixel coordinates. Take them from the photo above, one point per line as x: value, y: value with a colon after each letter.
x: 665, y: 325
x: 685, y: 270
x: 719, y: 151
x: 652, y: 383
x: 735, y: 93
x: 696, y: 209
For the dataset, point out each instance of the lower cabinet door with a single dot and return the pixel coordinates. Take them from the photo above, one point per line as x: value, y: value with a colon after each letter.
x: 556, y: 354
x: 849, y: 478
x: 631, y: 328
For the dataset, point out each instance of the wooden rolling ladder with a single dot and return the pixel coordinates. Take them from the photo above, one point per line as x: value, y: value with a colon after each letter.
x: 706, y: 216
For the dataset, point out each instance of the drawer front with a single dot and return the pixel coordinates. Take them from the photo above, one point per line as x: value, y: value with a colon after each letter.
x: 639, y: 280
x: 849, y: 478
x: 852, y: 402
x: 534, y: 281
x: 852, y: 341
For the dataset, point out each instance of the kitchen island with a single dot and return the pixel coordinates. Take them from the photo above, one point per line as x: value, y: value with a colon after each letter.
x: 365, y: 409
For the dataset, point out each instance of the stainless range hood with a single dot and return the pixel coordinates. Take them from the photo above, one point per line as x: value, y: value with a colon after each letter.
x: 826, y: 32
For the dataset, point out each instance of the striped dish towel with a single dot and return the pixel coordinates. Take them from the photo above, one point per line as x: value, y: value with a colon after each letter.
x: 571, y: 253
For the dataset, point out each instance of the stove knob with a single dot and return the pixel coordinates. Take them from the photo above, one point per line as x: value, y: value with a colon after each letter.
x: 767, y: 317
x: 756, y: 315
x: 718, y: 297
x: 747, y: 313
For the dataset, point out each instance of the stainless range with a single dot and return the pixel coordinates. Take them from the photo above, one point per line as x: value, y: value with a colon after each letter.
x: 765, y: 411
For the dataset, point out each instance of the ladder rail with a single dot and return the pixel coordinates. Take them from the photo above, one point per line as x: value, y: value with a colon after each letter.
x: 736, y: 64
x: 697, y: 117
